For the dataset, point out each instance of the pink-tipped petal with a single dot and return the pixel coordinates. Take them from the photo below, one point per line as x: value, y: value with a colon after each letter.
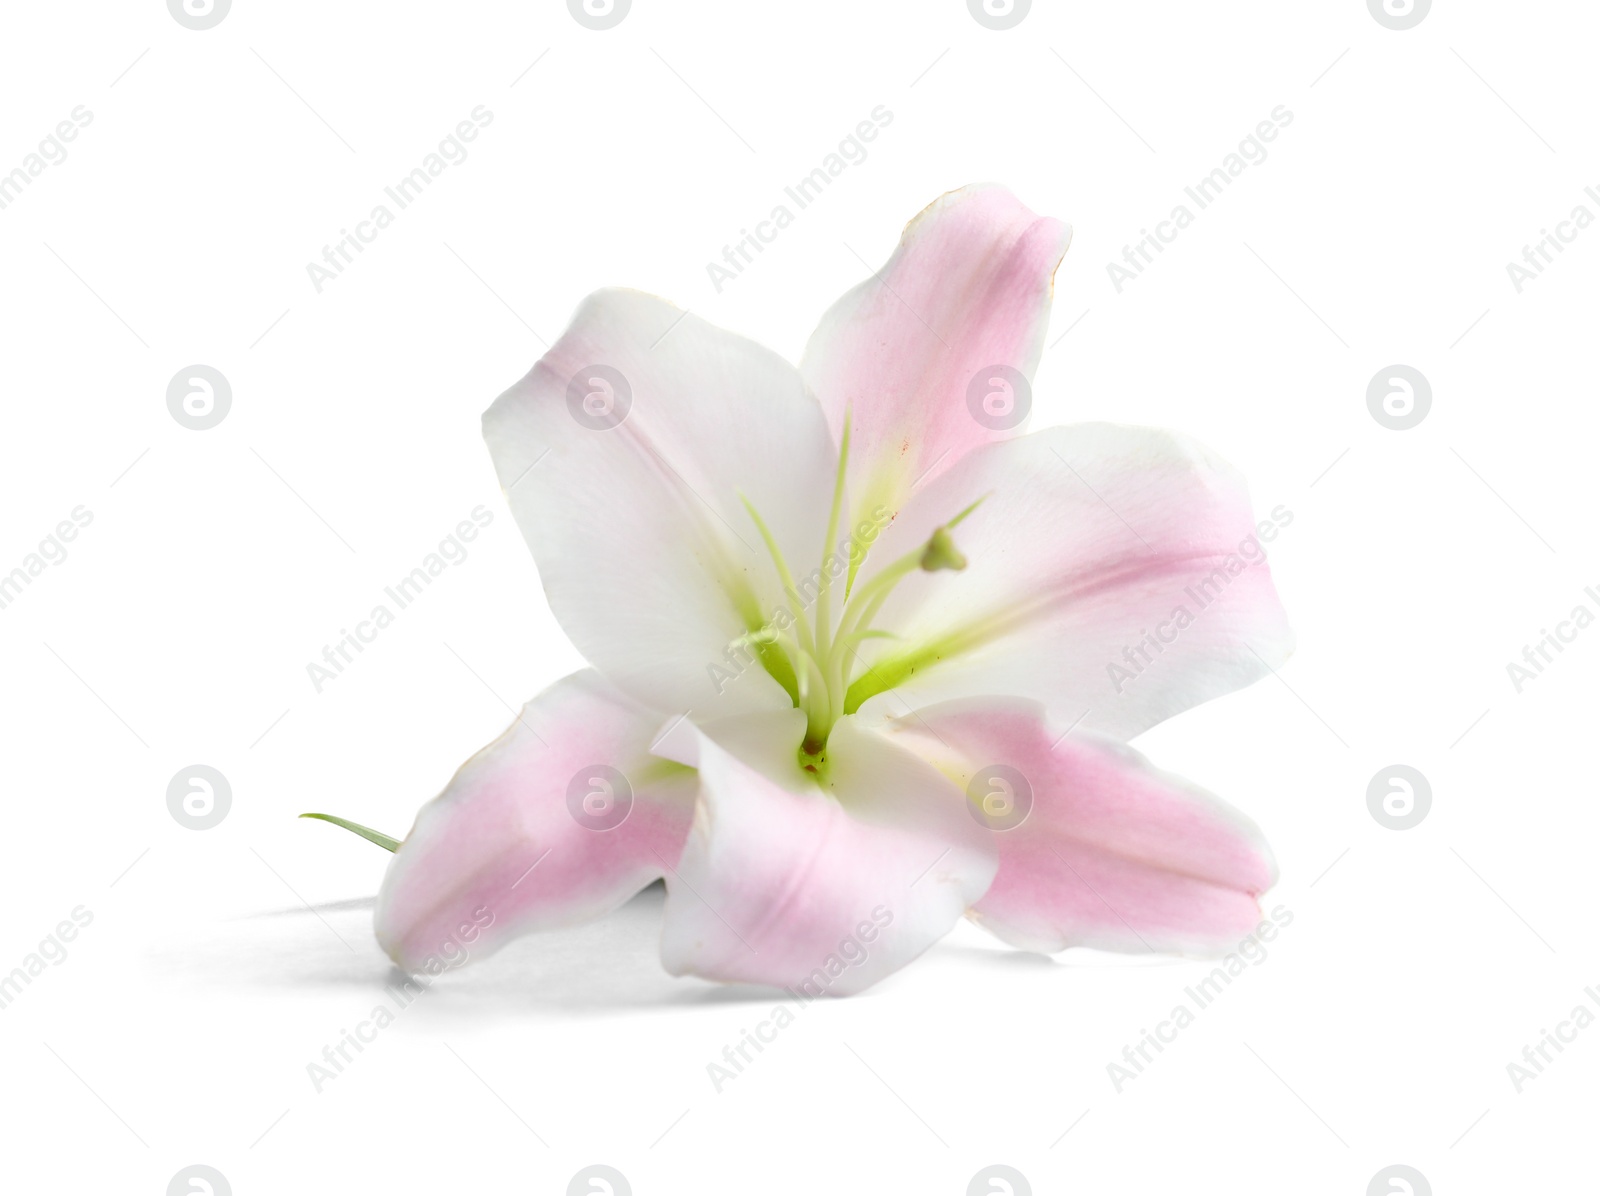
x: 507, y: 849
x: 967, y: 290
x: 1111, y: 853
x: 627, y: 454
x: 1115, y: 574
x: 821, y: 890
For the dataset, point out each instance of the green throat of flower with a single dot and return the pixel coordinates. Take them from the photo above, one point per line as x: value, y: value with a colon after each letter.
x: 816, y: 658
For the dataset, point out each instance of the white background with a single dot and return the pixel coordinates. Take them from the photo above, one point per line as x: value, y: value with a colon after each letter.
x: 218, y: 164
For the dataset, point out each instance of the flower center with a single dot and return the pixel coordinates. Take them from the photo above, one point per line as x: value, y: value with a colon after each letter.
x: 814, y: 657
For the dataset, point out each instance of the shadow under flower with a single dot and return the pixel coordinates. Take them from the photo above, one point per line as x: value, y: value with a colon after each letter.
x: 606, y: 966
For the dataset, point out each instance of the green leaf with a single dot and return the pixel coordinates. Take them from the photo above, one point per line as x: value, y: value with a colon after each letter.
x: 366, y: 832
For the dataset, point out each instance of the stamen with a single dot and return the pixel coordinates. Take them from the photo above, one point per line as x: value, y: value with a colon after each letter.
x: 823, y: 605
x: 811, y: 663
x: 967, y: 510
x: 818, y: 702
x: 893, y: 670
x: 779, y: 665
x: 784, y: 576
x: 941, y: 553
x: 878, y: 589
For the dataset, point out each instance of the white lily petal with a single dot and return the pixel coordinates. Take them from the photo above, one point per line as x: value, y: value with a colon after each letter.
x: 624, y: 454
x: 560, y: 820
x: 817, y: 888
x: 1115, y: 574
x: 1097, y: 848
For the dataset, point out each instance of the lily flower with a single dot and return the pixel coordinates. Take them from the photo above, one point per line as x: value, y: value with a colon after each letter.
x: 866, y: 657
